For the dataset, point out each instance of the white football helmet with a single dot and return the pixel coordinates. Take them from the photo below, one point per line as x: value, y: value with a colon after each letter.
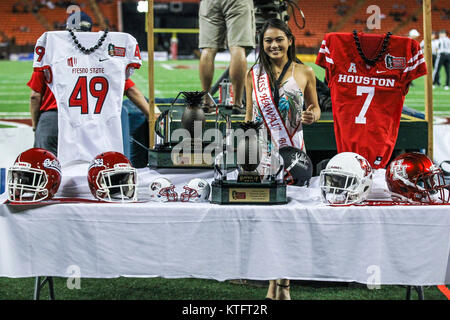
x: 162, y: 190
x: 196, y: 190
x: 347, y: 179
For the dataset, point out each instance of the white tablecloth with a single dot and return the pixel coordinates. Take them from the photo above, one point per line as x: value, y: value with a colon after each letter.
x: 304, y: 239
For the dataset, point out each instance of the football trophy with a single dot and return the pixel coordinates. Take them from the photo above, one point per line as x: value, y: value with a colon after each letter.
x: 249, y: 154
x: 179, y: 134
x: 260, y: 177
x: 193, y: 113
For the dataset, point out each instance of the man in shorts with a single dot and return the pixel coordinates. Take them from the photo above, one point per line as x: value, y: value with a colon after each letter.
x: 222, y: 23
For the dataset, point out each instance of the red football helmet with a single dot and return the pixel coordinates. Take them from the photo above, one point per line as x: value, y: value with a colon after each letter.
x: 112, y: 178
x: 414, y: 177
x: 35, y: 176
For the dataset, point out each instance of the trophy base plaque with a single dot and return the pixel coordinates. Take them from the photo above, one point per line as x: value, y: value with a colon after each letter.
x: 233, y: 192
x: 165, y: 158
x: 187, y: 154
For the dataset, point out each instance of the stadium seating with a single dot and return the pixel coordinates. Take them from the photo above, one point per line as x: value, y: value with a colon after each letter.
x: 318, y: 14
x: 438, y: 21
x: 388, y: 23
x: 321, y: 17
x: 109, y: 11
x: 21, y: 28
x: 25, y: 28
x: 57, y: 16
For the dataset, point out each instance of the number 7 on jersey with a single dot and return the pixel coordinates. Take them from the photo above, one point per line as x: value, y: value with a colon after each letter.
x: 361, y: 118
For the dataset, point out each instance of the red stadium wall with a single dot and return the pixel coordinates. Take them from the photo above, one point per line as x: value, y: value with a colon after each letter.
x: 399, y: 16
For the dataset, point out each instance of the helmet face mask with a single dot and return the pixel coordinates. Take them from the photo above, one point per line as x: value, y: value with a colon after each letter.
x: 196, y: 190
x: 432, y: 186
x: 34, y: 177
x: 288, y: 178
x: 162, y: 190
x: 118, y: 183
x: 27, y: 184
x: 112, y: 178
x: 168, y: 193
x: 339, y: 187
x: 413, y: 177
x: 189, y: 194
x: 347, y: 179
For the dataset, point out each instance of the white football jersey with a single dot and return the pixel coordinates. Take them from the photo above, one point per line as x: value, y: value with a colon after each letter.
x: 88, y: 89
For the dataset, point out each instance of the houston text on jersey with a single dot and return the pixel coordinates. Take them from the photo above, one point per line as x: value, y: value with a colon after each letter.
x: 382, y: 82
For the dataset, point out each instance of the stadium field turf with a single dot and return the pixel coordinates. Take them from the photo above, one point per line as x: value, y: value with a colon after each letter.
x: 171, y: 77
x: 200, y: 289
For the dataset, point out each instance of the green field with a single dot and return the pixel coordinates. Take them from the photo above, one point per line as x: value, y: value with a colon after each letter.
x: 197, y: 289
x: 171, y: 77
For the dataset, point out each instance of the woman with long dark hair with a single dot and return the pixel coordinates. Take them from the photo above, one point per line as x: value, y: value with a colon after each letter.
x: 281, y: 92
x: 298, y: 84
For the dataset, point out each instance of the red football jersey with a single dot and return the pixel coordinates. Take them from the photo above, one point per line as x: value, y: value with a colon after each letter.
x: 38, y: 84
x: 368, y: 100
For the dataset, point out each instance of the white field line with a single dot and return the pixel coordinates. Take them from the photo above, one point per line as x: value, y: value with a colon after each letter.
x: 7, y: 89
x: 14, y: 124
x: 167, y: 66
x: 7, y: 82
x: 435, y: 99
x: 14, y: 101
x: 418, y: 107
x: 143, y: 82
x: 17, y: 94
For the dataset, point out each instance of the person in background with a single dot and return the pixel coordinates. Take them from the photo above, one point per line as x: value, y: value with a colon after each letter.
x: 233, y: 21
x: 413, y: 34
x: 434, y: 46
x: 443, y: 58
